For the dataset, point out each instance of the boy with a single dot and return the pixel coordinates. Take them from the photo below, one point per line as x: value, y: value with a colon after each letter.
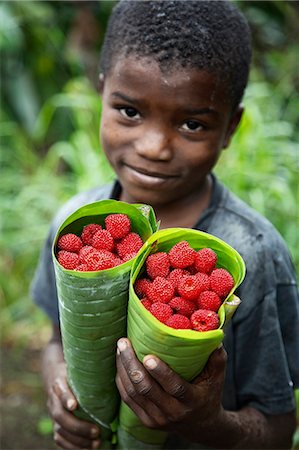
x: 172, y: 78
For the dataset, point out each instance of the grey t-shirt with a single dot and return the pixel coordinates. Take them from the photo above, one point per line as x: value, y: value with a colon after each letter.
x: 262, y: 340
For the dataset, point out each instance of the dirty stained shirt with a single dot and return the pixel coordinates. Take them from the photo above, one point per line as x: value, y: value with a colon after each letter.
x: 262, y: 339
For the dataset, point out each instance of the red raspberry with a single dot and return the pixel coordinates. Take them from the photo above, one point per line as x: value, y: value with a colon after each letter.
x: 68, y: 260
x: 119, y: 225
x: 204, y: 320
x: 102, y: 240
x: 181, y: 255
x: 129, y: 256
x: 84, y: 252
x: 89, y: 231
x: 157, y: 265
x: 140, y: 286
x: 100, y: 260
x: 70, y: 242
x: 117, y: 261
x: 161, y: 311
x: 182, y: 306
x: 146, y: 303
x: 160, y: 290
x: 178, y: 322
x: 131, y: 243
x: 209, y: 300
x: 191, y: 286
x: 82, y: 268
x: 205, y: 260
x: 221, y: 282
x: 175, y: 276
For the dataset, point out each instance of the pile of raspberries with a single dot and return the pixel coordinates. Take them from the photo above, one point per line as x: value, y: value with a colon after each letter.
x: 183, y: 288
x: 99, y: 248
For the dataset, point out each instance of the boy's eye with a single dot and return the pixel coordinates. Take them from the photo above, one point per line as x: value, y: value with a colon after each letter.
x: 130, y: 112
x: 191, y: 125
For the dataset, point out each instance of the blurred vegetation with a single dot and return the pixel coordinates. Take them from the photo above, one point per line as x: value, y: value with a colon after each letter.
x: 50, y: 112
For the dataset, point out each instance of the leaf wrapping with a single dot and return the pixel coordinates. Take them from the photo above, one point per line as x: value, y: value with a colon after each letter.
x: 93, y: 315
x: 185, y: 351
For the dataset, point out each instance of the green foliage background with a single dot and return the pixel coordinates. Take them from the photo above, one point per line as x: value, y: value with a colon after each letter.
x: 50, y: 112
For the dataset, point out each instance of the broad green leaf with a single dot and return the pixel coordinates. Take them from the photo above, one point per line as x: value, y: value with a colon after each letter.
x: 185, y: 351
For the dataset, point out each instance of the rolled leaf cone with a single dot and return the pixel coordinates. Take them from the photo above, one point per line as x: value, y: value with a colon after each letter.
x: 185, y: 351
x: 93, y: 313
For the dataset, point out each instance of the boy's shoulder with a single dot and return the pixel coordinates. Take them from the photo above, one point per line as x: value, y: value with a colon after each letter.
x: 252, y: 235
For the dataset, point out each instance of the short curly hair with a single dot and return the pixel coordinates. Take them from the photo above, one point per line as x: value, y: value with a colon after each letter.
x: 207, y: 35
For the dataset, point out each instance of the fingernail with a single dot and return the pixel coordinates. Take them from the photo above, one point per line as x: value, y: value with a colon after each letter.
x: 96, y: 444
x: 94, y: 432
x: 121, y: 345
x: 70, y: 403
x: 150, y: 363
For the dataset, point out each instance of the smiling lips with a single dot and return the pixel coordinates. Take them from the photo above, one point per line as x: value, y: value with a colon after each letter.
x: 145, y: 173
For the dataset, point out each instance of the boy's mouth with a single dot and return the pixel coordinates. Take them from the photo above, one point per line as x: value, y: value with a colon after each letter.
x: 146, y: 178
x: 151, y: 174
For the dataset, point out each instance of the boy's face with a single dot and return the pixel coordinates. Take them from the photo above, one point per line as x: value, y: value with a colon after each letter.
x: 163, y: 133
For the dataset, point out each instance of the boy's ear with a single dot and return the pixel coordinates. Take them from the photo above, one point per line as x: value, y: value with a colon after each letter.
x: 101, y: 83
x: 234, y: 122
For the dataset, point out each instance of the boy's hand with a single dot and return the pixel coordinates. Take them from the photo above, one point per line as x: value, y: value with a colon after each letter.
x: 163, y: 400
x: 69, y: 431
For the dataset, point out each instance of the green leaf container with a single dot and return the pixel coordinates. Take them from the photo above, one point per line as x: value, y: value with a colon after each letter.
x: 93, y: 316
x: 185, y: 351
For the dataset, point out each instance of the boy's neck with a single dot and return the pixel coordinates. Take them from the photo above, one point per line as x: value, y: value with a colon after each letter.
x: 183, y: 212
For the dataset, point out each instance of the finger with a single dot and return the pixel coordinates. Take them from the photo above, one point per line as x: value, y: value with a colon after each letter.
x: 70, y: 423
x: 146, y: 419
x: 170, y: 381
x: 63, y: 392
x: 78, y: 441
x: 137, y: 389
x: 215, y: 367
x: 63, y: 443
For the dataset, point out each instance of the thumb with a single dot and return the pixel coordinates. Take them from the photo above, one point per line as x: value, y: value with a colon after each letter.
x: 215, y: 367
x: 66, y: 396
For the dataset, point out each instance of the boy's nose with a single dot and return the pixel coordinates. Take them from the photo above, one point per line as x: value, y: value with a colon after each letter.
x: 155, y: 145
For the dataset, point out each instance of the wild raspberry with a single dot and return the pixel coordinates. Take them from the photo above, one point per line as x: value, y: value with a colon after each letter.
x: 131, y: 243
x: 209, y: 300
x: 205, y: 260
x: 70, y: 242
x: 221, y: 282
x: 161, y: 311
x: 204, y: 320
x: 89, y: 231
x: 157, y: 265
x: 146, y: 303
x: 175, y: 276
x: 84, y: 252
x: 190, y: 286
x: 129, y: 256
x: 140, y: 286
x: 118, y: 225
x: 82, y: 268
x: 182, y: 306
x: 100, y: 260
x: 68, y: 260
x: 102, y: 240
x: 181, y: 255
x: 178, y: 322
x: 160, y: 290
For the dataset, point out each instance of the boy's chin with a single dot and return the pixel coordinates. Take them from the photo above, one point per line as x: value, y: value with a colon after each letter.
x: 150, y: 197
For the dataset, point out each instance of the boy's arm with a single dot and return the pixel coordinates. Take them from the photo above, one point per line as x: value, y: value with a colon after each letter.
x: 163, y: 400
x: 69, y: 431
